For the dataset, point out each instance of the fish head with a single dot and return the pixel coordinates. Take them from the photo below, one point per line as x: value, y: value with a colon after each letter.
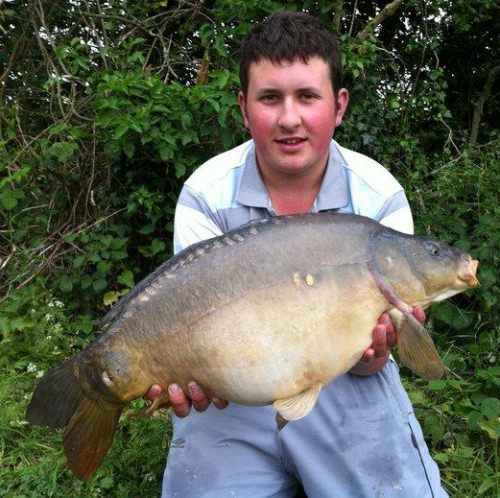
x: 443, y: 270
x: 422, y: 270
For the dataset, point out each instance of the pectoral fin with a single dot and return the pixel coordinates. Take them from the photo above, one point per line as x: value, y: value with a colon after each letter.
x: 416, y: 348
x: 297, y: 406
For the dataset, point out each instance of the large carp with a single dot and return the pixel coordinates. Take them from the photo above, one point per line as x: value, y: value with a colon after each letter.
x: 267, y: 313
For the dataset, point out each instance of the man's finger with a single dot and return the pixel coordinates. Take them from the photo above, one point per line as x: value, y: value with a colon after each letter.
x: 368, y: 355
x: 385, y: 320
x: 391, y: 338
x: 379, y: 341
x: 220, y: 403
x: 180, y: 404
x: 198, y: 397
x: 154, y: 391
x: 419, y: 313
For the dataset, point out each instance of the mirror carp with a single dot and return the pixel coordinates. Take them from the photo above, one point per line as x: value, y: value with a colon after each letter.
x: 268, y: 313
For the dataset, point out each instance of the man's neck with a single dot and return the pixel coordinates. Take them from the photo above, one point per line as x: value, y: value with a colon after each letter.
x: 292, y: 203
x: 293, y: 195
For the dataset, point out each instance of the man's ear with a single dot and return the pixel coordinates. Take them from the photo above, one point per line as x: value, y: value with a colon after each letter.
x: 341, y: 107
x: 243, y: 108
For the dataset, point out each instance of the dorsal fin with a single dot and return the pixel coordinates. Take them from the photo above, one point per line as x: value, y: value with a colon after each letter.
x: 187, y: 256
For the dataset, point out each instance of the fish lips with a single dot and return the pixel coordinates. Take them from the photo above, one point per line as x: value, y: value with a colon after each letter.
x: 467, y: 271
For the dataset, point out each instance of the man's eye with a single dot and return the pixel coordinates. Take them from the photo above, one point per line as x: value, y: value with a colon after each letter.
x: 268, y: 98
x: 308, y: 96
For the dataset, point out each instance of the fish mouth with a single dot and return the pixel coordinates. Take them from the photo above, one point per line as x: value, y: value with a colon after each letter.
x: 467, y: 271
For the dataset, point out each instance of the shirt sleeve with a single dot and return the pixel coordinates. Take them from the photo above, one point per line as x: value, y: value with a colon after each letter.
x: 396, y: 213
x: 193, y: 221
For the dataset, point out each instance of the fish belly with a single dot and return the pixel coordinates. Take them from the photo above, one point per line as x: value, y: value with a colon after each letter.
x: 277, y: 341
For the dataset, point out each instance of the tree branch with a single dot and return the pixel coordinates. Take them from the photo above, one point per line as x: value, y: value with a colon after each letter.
x: 478, y: 108
x: 338, y: 7
x: 203, y: 72
x: 19, y: 48
x: 386, y: 12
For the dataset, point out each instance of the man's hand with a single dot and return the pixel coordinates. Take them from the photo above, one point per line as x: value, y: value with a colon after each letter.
x: 384, y: 338
x: 180, y: 403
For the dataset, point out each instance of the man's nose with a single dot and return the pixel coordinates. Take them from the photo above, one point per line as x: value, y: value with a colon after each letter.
x: 289, y: 116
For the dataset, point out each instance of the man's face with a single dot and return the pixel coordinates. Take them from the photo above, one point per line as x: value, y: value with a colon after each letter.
x: 292, y: 112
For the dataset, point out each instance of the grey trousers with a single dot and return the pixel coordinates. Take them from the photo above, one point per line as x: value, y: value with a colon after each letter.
x: 360, y: 441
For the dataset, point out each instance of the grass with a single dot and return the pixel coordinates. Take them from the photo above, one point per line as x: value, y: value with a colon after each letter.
x: 32, y: 463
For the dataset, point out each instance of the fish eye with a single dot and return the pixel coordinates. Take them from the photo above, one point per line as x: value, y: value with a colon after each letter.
x: 433, y: 248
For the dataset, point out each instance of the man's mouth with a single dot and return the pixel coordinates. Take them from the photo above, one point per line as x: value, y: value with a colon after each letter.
x: 290, y: 141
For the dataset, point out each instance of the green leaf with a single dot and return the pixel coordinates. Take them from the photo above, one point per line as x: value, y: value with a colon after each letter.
x: 8, y: 199
x: 110, y: 297
x: 129, y: 149
x: 441, y: 457
x: 186, y: 121
x: 180, y: 170
x: 119, y: 255
x: 99, y: 284
x: 58, y: 128
x: 66, y: 285
x: 492, y: 428
x: 437, y: 385
x: 126, y: 278
x: 136, y: 127
x: 157, y: 246
x: 120, y: 130
x: 434, y: 427
x: 62, y: 151
x: 118, y: 242
x: 473, y: 419
x: 448, y: 313
x: 147, y: 229
x: 485, y: 485
x: 104, y: 266
x: 79, y: 261
x: 166, y: 152
x: 86, y: 282
x: 107, y: 482
x: 417, y: 398
x: 490, y: 408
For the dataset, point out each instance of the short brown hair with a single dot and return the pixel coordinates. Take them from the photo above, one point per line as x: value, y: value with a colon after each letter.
x: 288, y: 36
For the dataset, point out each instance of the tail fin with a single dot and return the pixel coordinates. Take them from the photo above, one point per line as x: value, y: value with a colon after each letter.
x: 59, y: 401
x: 89, y: 435
x: 55, y: 397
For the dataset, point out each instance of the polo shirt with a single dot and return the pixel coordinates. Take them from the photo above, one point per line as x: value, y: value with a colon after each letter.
x: 228, y: 191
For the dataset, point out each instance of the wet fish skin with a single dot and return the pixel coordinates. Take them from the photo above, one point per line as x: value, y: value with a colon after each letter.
x: 268, y: 313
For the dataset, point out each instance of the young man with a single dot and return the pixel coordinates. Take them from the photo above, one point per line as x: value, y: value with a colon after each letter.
x: 362, y: 438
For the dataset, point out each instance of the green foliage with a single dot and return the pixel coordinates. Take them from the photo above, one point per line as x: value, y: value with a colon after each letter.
x: 105, y: 110
x: 460, y: 415
x: 37, y: 332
